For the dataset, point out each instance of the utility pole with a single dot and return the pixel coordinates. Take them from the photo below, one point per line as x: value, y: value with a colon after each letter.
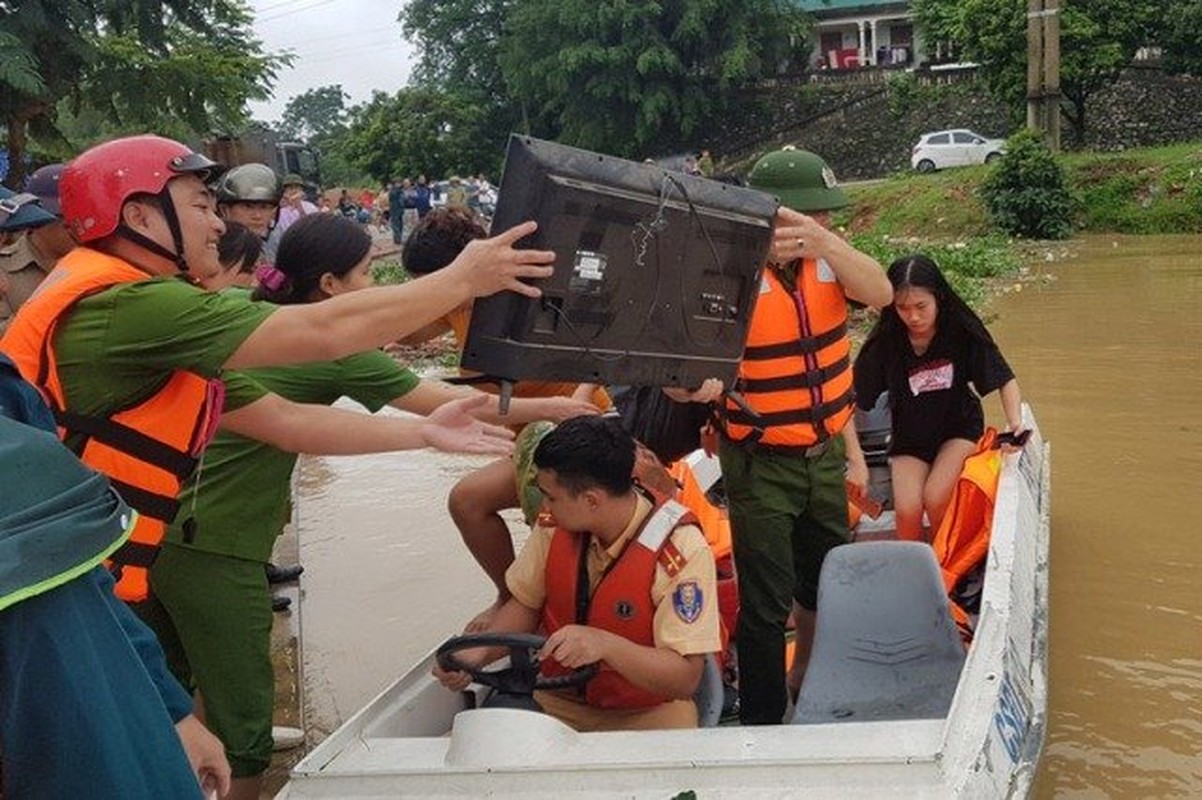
x: 1043, y: 69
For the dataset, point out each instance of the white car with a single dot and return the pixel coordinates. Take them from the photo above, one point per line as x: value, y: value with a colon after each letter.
x: 954, y: 148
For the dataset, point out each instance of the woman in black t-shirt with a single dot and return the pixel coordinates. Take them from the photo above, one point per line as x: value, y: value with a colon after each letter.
x: 933, y: 355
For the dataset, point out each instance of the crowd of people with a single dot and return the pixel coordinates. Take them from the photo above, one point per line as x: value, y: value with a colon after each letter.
x: 184, y: 331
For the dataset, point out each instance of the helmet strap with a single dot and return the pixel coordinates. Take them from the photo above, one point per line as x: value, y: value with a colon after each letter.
x: 177, y: 238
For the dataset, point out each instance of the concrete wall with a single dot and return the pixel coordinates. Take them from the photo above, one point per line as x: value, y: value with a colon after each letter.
x: 1145, y: 108
x: 866, y: 125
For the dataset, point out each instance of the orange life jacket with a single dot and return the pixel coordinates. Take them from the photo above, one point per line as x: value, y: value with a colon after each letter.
x: 796, y: 368
x: 962, y: 542
x: 621, y: 602
x: 148, y: 449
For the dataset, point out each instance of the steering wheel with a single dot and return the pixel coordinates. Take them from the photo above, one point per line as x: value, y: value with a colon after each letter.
x: 521, y: 677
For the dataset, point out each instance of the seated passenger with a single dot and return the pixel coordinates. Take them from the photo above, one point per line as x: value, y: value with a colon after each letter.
x: 652, y: 614
x: 934, y: 356
x: 476, y: 500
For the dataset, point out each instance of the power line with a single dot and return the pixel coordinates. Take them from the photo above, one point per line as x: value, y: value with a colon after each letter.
x: 292, y: 11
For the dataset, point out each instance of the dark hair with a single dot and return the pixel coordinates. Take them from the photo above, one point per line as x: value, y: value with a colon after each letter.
x: 438, y: 239
x: 311, y: 247
x: 954, y: 317
x: 587, y: 452
x: 239, y: 245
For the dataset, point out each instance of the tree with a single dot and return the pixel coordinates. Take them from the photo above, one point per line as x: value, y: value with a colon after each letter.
x: 420, y: 130
x: 1098, y: 39
x: 632, y: 78
x: 1181, y: 37
x: 1027, y: 193
x: 146, y: 64
x: 317, y: 114
x: 460, y: 45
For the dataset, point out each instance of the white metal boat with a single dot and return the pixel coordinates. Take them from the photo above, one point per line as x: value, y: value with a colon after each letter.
x: 416, y: 739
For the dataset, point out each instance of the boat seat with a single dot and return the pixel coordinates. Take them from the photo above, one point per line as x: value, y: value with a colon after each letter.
x: 886, y: 647
x: 709, y: 694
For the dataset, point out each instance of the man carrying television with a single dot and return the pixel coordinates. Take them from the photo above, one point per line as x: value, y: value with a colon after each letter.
x: 784, y: 467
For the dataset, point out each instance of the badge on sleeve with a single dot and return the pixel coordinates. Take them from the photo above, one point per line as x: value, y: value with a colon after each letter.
x: 688, y: 601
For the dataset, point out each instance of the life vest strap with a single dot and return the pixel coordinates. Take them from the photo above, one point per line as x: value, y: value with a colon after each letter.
x: 795, y: 347
x: 805, y: 380
x: 135, y: 554
x: 146, y: 502
x: 813, y: 415
x: 129, y: 441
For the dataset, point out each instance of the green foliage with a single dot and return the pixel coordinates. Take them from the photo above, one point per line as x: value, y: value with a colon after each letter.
x: 387, y: 271
x: 1098, y: 38
x: 315, y: 116
x: 968, y: 263
x: 632, y: 78
x: 422, y: 130
x: 145, y: 64
x: 1026, y: 192
x: 1181, y: 36
x: 1156, y: 190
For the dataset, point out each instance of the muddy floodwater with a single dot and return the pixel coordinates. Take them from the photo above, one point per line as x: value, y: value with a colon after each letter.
x: 1107, y: 346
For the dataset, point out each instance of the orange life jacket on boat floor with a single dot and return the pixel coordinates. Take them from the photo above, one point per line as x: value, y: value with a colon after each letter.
x: 962, y: 542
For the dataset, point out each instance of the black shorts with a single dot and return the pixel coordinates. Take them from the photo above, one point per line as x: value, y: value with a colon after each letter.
x: 926, y: 448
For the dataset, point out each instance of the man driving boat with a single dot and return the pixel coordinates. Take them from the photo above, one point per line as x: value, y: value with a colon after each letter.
x: 648, y: 608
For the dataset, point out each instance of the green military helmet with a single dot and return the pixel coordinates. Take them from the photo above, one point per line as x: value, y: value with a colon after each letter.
x: 292, y: 179
x: 800, y: 179
x: 249, y: 183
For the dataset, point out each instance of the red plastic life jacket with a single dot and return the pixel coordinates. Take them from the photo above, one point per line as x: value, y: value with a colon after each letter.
x: 621, y: 602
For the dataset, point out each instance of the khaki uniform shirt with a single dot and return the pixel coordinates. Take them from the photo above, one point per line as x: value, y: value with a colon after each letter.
x: 22, y: 268
x: 673, y: 629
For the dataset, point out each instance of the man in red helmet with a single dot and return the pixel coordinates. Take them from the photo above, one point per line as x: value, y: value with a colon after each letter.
x: 128, y: 353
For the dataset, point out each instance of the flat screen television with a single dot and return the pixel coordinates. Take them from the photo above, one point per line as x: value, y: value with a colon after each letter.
x: 656, y: 272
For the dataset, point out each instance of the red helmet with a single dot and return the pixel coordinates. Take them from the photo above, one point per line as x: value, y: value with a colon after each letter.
x: 97, y: 183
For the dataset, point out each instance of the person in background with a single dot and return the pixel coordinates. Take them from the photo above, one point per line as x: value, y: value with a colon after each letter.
x: 249, y: 195
x: 477, y: 500
x: 238, y: 252
x: 118, y: 342
x: 87, y: 707
x: 421, y: 197
x: 41, y: 239
x: 293, y: 206
x: 786, y: 462
x: 398, y: 201
x: 936, y: 359
x: 636, y: 553
x: 705, y: 164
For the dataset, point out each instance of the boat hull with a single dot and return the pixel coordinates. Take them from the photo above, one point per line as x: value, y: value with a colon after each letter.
x: 418, y: 740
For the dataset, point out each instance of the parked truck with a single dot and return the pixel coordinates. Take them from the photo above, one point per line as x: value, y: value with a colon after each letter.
x: 265, y: 146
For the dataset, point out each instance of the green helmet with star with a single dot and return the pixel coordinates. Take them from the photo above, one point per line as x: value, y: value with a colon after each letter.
x: 800, y: 179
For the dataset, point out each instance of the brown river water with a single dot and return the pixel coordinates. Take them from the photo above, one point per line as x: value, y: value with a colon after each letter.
x: 1107, y: 346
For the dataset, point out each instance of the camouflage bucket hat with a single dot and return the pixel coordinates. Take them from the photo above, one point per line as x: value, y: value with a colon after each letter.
x: 800, y: 179
x: 523, y: 458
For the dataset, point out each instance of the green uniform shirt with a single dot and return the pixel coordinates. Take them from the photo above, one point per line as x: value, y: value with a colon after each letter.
x: 120, y: 346
x: 239, y: 499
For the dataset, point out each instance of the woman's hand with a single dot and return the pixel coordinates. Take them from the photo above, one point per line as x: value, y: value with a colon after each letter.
x: 857, y: 477
x: 453, y: 428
